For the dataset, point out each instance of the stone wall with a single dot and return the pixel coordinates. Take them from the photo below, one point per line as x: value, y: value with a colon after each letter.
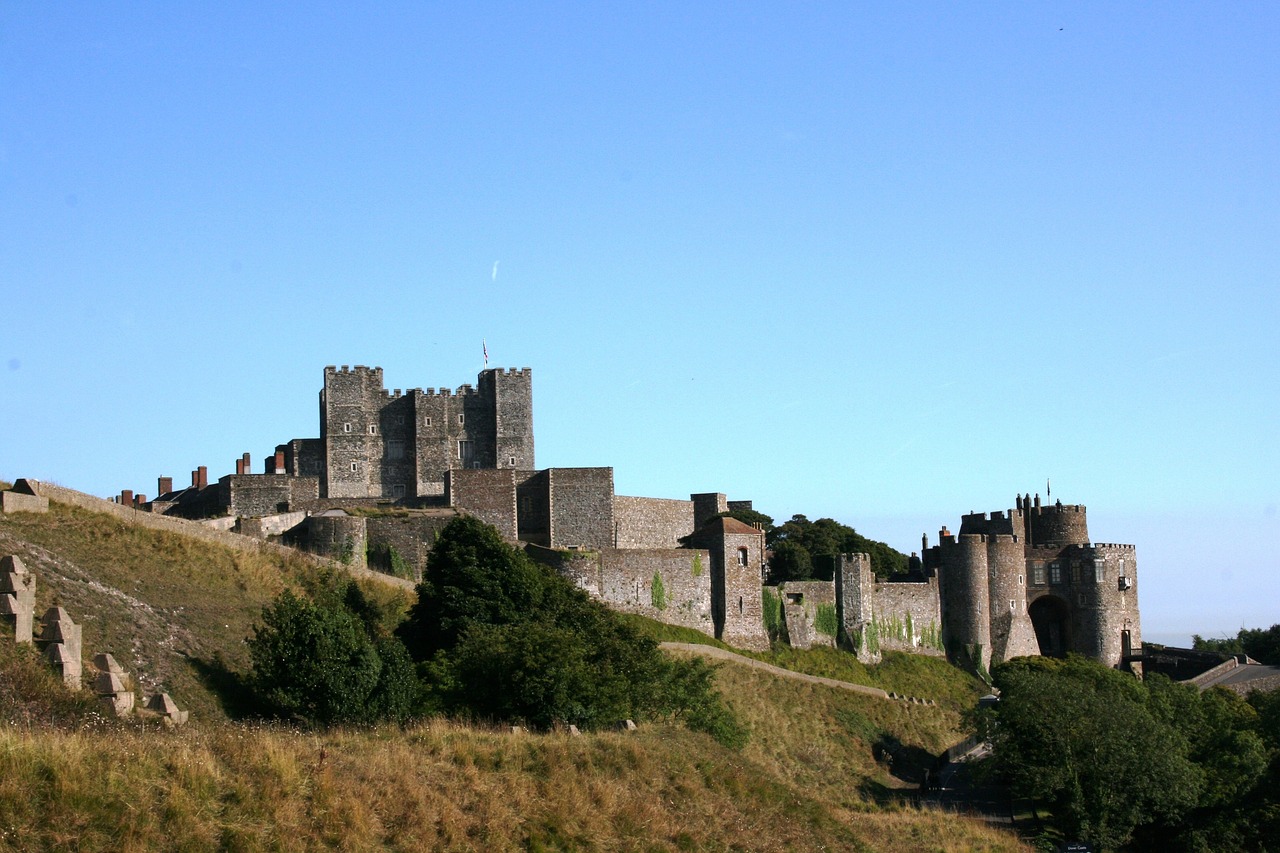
x: 267, y: 526
x: 581, y: 507
x: 908, y: 616
x: 255, y: 495
x: 809, y: 613
x: 628, y: 582
x: 671, y: 585
x: 412, y: 535
x: 651, y: 522
x: 23, y: 497
x: 487, y: 494
x: 533, y: 503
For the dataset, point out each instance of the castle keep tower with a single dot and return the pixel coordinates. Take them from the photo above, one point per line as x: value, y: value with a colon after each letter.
x: 1028, y: 581
x: 378, y: 443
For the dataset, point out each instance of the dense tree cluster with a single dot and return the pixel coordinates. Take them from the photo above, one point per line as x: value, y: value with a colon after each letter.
x: 1152, y: 762
x: 329, y: 658
x: 1261, y: 644
x: 799, y: 547
x: 494, y: 636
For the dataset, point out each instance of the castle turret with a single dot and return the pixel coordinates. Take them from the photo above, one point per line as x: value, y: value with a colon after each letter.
x: 966, y: 628
x: 1012, y: 634
x: 512, y: 395
x: 1059, y: 525
x: 349, y: 407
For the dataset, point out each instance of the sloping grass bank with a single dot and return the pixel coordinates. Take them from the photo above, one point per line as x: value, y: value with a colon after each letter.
x: 433, y: 787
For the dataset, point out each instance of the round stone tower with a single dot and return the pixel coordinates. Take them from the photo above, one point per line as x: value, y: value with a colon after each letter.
x: 1059, y: 524
x: 1012, y: 634
x: 966, y: 596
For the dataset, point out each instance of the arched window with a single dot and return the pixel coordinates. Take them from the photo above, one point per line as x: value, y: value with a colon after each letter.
x: 742, y: 556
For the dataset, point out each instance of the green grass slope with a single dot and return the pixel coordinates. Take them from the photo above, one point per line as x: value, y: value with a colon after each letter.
x: 173, y: 610
x: 824, y: 769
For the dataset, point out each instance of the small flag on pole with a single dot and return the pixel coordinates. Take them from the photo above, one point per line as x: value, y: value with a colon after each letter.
x: 485, y: 347
x: 1048, y: 492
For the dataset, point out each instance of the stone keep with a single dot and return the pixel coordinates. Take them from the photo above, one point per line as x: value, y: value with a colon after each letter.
x: 378, y: 443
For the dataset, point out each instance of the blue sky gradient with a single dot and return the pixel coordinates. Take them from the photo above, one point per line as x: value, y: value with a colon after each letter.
x: 883, y: 263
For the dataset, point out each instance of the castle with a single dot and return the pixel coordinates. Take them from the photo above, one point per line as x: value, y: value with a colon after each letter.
x: 390, y: 468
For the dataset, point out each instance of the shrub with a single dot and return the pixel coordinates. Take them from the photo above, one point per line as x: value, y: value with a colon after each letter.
x: 322, y: 661
x: 504, y: 638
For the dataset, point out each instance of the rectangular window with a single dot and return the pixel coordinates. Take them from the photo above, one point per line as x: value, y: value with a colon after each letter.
x: 1075, y: 573
x: 1055, y: 573
x: 511, y: 460
x: 373, y: 429
x: 426, y: 421
x: 395, y: 449
x: 355, y: 466
x: 466, y: 452
x: 1037, y: 576
x: 462, y: 419
x: 346, y: 427
x: 1099, y: 572
x: 397, y: 490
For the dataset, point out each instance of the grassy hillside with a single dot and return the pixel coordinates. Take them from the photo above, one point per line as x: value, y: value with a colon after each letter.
x: 824, y: 769
x: 173, y: 610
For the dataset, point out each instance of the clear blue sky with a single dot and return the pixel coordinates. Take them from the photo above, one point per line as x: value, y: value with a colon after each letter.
x: 887, y: 263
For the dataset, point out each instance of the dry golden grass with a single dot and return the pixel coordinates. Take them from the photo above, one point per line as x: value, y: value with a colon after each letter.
x: 438, y: 786
x: 823, y: 770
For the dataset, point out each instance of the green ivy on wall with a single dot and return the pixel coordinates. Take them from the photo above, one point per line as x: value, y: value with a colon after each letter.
x: 772, y: 605
x: 658, y: 593
x: 696, y: 565
x: 824, y: 620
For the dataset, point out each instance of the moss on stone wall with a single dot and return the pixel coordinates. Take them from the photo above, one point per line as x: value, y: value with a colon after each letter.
x: 825, y: 621
x: 658, y: 592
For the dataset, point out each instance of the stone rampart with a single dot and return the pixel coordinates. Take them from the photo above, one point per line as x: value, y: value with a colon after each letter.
x: 651, y: 522
x: 809, y: 612
x: 581, y: 507
x: 193, y: 529
x: 671, y: 585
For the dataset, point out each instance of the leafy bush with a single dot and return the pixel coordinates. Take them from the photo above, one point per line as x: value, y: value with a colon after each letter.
x: 1119, y: 759
x: 504, y: 638
x: 318, y: 660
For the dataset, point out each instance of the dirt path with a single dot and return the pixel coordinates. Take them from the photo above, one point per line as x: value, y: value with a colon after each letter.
x: 724, y: 654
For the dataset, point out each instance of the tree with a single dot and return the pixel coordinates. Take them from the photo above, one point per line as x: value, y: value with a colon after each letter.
x: 313, y: 662
x: 1261, y: 644
x: 1080, y: 736
x: 802, y: 550
x: 473, y: 578
x: 325, y: 662
x: 504, y: 638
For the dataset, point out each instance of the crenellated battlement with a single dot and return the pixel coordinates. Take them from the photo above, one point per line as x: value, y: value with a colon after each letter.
x: 513, y: 371
x: 359, y: 369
